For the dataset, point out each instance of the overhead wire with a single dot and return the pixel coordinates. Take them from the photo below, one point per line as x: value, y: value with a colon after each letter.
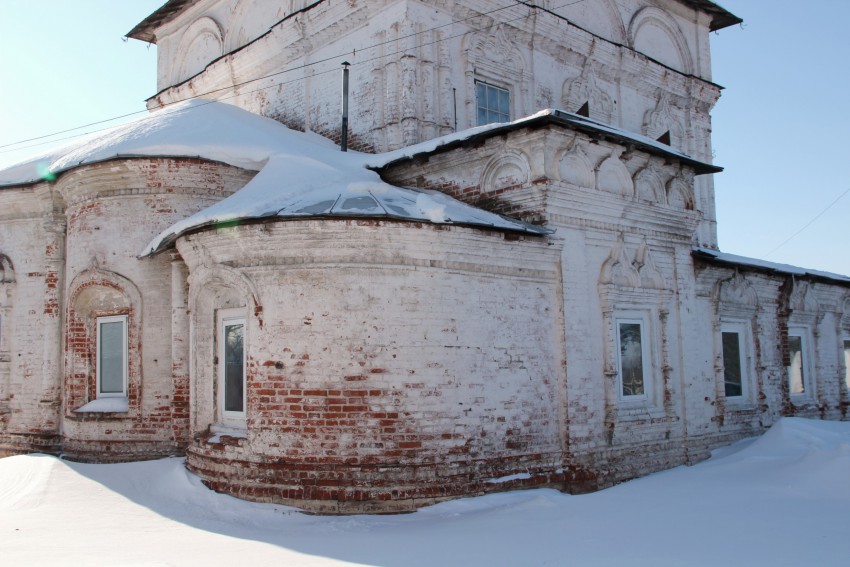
x: 808, y: 224
x: 515, y: 3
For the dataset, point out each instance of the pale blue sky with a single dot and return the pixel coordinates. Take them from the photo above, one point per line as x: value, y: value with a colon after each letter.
x: 779, y: 128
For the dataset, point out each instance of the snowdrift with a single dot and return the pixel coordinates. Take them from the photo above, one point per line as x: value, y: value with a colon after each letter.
x: 781, y: 499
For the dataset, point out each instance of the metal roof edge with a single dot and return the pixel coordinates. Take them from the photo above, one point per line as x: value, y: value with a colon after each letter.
x: 717, y: 257
x: 721, y: 17
x: 144, y: 30
x: 562, y: 118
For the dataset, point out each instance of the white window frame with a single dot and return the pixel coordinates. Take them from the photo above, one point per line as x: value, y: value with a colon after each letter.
x: 846, y: 357
x: 501, y: 87
x: 741, y: 328
x: 808, y: 374
x: 646, y: 360
x: 227, y: 317
x: 123, y: 319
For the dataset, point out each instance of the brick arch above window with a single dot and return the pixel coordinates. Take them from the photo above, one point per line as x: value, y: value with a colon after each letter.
x: 96, y: 296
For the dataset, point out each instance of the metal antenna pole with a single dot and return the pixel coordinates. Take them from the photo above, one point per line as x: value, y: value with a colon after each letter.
x: 343, y: 139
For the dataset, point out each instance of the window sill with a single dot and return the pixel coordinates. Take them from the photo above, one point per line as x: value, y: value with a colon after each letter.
x: 105, y: 405
x: 225, y: 435
x: 802, y: 400
x: 740, y: 405
x: 638, y: 411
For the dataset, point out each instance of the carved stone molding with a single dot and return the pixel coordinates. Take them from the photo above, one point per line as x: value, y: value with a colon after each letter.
x: 574, y: 167
x: 736, y: 293
x: 618, y: 269
x: 650, y: 276
x: 802, y: 299
x: 649, y: 185
x: 586, y: 88
x: 661, y: 120
x: 638, y: 270
x: 509, y: 169
x: 612, y: 176
x: 7, y: 270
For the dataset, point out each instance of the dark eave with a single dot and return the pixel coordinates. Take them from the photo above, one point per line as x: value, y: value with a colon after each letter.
x: 720, y: 17
x: 146, y: 29
x: 716, y: 257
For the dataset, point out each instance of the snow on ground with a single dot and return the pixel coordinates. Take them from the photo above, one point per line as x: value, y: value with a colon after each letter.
x: 782, y: 499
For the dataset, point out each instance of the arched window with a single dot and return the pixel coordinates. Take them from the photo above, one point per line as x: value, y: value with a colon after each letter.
x: 103, y: 363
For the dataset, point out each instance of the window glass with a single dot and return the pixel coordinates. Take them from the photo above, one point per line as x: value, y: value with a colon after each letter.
x: 732, y: 364
x: 631, y: 359
x: 493, y: 104
x: 796, y: 377
x: 111, y: 356
x: 234, y: 367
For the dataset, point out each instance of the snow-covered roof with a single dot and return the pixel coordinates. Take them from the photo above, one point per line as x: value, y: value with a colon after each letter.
x: 300, y: 174
x: 197, y: 128
x: 548, y: 116
x: 743, y: 261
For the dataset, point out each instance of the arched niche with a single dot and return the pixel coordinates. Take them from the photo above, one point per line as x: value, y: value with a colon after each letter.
x: 654, y: 33
x: 600, y: 17
x: 649, y: 187
x: 92, y: 294
x: 680, y: 195
x: 201, y: 44
x: 510, y: 169
x: 613, y: 177
x: 575, y: 168
x: 250, y: 20
x: 213, y: 290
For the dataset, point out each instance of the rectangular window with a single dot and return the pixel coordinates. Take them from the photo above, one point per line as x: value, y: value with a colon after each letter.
x: 847, y: 363
x: 231, y: 368
x: 493, y: 103
x: 112, y: 357
x: 631, y: 358
x: 733, y: 365
x: 797, y: 365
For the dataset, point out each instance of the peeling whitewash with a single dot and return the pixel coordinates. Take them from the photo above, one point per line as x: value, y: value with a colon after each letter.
x: 539, y: 302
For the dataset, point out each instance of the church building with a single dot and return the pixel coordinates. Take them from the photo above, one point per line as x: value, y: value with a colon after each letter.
x: 511, y: 279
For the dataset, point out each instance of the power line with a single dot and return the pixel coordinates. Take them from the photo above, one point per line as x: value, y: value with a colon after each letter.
x: 808, y: 224
x: 300, y: 67
x: 292, y: 69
